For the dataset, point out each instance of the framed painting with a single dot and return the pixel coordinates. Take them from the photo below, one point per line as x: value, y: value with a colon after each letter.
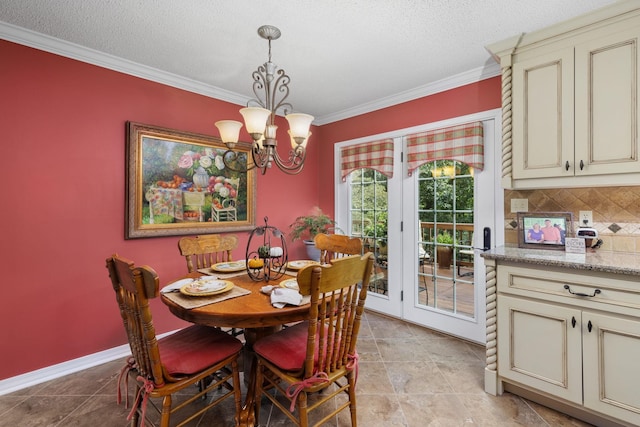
x: 177, y: 184
x: 544, y: 230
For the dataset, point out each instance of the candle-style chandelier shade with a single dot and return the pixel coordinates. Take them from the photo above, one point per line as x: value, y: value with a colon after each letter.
x: 271, y: 88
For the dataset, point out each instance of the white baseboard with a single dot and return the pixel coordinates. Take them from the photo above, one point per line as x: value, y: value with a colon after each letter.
x: 39, y: 376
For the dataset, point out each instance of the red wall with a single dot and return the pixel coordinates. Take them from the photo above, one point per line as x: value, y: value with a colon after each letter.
x: 62, y: 164
x: 63, y: 201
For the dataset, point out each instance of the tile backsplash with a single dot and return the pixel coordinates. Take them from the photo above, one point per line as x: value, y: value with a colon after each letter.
x: 616, y: 212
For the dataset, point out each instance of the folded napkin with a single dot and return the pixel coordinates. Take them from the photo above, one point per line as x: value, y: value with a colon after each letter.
x: 175, y: 286
x: 283, y: 296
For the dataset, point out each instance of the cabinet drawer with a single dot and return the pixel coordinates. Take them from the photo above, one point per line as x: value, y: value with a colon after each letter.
x: 589, y: 289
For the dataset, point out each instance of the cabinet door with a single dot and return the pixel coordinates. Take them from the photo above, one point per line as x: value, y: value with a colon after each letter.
x: 539, y: 346
x: 543, y: 115
x: 607, y: 99
x: 612, y: 366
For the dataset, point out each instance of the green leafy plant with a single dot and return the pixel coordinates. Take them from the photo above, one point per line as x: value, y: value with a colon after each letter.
x: 445, y: 238
x: 378, y: 228
x: 307, y: 226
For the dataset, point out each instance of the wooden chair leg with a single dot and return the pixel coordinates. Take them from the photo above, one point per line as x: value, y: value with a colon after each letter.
x: 302, y: 409
x: 165, y: 415
x: 258, y: 390
x: 352, y: 400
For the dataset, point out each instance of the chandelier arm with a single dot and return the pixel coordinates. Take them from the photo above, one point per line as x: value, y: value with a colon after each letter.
x: 280, y: 86
x: 233, y: 155
x: 295, y: 163
x: 260, y: 156
x: 260, y: 87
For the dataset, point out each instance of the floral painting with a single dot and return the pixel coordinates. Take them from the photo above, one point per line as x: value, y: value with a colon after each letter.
x: 178, y: 183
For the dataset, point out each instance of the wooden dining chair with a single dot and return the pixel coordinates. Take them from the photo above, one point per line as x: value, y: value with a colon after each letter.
x: 207, y: 249
x: 336, y: 246
x: 312, y: 355
x: 204, y: 250
x: 199, y: 356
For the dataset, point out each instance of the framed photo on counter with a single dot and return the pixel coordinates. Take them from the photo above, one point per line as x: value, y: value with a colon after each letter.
x: 177, y: 183
x: 544, y: 230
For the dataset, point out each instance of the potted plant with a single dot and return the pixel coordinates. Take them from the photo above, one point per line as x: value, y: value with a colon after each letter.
x: 375, y: 234
x: 444, y: 253
x: 306, y: 227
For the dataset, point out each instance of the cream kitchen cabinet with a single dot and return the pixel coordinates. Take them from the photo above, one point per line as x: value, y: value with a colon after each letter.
x: 563, y: 332
x: 540, y: 347
x: 571, y: 98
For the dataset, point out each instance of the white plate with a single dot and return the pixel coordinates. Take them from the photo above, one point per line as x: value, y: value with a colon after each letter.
x: 290, y: 284
x: 299, y: 264
x: 230, y: 266
x: 206, y: 287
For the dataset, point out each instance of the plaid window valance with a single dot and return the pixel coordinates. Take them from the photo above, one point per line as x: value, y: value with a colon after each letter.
x: 376, y: 155
x: 463, y: 143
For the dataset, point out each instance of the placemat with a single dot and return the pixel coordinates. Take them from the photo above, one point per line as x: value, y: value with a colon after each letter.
x: 194, y: 302
x: 218, y: 275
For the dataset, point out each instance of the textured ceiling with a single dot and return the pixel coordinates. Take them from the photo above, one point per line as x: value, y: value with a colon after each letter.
x: 344, y: 56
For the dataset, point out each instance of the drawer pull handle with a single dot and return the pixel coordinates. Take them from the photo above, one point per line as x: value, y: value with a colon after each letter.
x: 573, y: 322
x: 581, y: 165
x: 589, y: 326
x: 580, y: 294
x: 566, y: 165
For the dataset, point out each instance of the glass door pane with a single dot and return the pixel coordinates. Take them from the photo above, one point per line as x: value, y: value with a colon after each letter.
x: 368, y: 209
x: 445, y: 243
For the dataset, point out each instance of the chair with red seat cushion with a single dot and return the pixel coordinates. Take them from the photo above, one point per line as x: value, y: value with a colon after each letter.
x: 321, y: 351
x: 193, y: 356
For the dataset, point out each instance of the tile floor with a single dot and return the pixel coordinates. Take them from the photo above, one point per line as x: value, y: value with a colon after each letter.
x: 409, y: 376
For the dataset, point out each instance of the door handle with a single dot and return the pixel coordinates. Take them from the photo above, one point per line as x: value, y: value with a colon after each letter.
x: 566, y: 165
x: 581, y: 165
x: 589, y: 326
x: 573, y: 321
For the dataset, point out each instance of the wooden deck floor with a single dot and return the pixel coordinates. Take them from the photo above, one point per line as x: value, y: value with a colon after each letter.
x: 450, y: 290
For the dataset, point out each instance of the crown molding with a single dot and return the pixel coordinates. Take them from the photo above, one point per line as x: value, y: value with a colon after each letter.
x: 66, y: 49
x: 56, y: 46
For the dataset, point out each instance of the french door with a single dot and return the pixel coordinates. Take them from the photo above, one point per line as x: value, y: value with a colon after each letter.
x: 413, y: 223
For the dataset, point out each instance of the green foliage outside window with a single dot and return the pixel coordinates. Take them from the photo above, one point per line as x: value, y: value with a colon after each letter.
x: 446, y: 192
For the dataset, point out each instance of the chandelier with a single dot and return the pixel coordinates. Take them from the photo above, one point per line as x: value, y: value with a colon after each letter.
x: 271, y: 88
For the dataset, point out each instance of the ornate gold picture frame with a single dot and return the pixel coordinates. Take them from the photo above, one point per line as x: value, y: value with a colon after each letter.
x: 178, y: 184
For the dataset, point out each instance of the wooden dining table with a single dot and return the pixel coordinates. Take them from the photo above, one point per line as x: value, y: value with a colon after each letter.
x: 253, y: 313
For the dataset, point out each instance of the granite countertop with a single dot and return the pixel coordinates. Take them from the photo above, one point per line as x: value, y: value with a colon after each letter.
x: 603, y: 261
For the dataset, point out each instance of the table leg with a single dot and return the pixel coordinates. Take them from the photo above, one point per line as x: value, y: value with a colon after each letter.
x: 247, y: 416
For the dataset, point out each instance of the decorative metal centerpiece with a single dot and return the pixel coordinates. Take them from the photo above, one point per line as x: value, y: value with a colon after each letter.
x: 267, y: 253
